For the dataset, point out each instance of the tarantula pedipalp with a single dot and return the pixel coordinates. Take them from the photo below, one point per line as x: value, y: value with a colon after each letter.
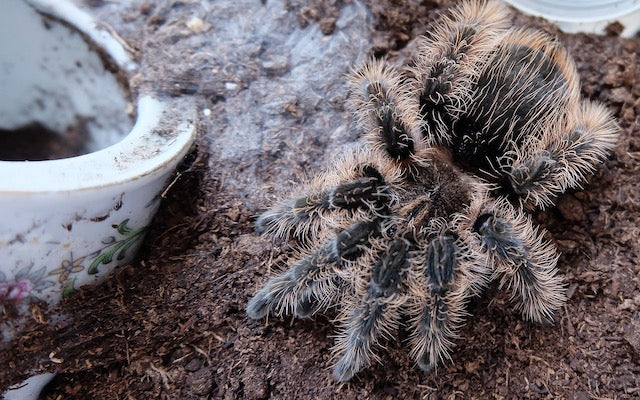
x: 413, y: 223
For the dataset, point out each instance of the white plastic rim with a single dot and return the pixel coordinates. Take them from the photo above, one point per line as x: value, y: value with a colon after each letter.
x: 591, y: 16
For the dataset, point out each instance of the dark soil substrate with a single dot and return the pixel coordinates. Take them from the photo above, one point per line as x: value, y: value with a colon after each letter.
x: 36, y: 143
x: 173, y: 325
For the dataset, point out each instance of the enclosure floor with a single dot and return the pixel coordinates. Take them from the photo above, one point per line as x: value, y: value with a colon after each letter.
x: 173, y: 325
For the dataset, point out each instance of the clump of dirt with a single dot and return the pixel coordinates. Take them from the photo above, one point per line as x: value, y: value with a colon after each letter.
x: 173, y: 324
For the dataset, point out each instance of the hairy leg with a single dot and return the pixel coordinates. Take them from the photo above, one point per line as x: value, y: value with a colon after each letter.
x: 565, y: 156
x: 358, y: 188
x: 384, y: 110
x: 447, y: 274
x: 314, y: 281
x: 523, y: 260
x: 448, y: 59
x: 373, y: 313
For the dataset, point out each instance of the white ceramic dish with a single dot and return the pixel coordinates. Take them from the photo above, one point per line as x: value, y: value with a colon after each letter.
x: 590, y: 16
x: 69, y: 222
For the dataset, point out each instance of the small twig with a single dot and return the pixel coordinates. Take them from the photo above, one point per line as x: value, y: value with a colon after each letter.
x: 164, y: 376
x: 164, y: 193
x: 126, y: 347
x: 118, y: 38
x: 181, y: 358
x: 204, y: 353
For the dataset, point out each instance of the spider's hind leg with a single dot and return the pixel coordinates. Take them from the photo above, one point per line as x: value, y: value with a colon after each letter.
x: 564, y: 157
x: 384, y: 110
x: 449, y: 59
x: 524, y: 261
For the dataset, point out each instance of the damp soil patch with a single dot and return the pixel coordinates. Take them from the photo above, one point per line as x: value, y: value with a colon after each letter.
x: 37, y: 143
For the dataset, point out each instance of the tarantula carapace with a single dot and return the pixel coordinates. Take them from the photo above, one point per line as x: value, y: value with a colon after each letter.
x: 430, y: 207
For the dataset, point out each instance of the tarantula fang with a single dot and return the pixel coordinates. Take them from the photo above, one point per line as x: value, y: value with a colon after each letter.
x: 428, y: 209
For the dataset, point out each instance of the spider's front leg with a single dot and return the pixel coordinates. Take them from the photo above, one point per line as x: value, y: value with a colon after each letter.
x: 355, y: 189
x: 523, y: 260
x: 384, y: 111
x: 314, y: 281
x: 373, y: 312
x: 564, y: 157
x: 445, y: 275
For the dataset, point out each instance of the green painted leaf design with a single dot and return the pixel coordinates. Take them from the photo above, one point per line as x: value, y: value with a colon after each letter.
x: 118, y: 248
x: 123, y: 229
x: 104, y: 258
x: 69, y: 288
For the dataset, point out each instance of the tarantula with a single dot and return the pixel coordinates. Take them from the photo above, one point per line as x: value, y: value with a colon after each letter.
x: 430, y: 207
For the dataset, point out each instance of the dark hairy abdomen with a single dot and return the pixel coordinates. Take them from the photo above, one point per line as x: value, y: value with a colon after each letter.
x: 488, y: 129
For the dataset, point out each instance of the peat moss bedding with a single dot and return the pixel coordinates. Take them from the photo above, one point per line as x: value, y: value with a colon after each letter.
x: 173, y: 324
